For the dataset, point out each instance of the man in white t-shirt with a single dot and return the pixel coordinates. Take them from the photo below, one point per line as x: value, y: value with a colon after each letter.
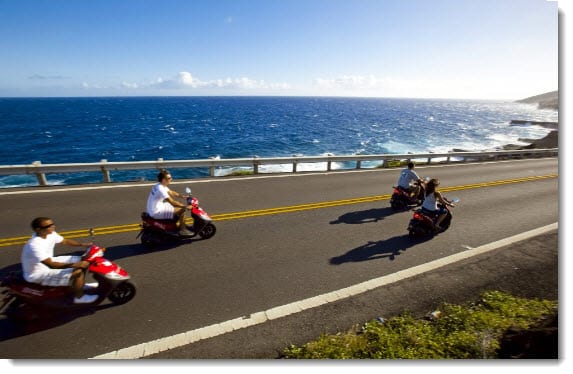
x: 161, y: 203
x: 41, y: 266
x: 407, y: 179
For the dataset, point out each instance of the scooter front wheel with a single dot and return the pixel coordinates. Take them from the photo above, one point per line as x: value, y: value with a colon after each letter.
x: 208, y: 231
x: 123, y: 293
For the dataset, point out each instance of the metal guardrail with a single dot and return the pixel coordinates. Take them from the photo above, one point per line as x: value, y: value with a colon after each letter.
x: 387, y: 160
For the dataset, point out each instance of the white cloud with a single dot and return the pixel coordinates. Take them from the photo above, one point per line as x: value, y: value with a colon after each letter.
x: 184, y: 80
x: 363, y: 85
x: 450, y: 87
x: 129, y: 85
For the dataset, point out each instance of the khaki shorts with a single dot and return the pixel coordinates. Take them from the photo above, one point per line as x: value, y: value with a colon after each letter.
x: 167, y: 211
x: 59, y: 277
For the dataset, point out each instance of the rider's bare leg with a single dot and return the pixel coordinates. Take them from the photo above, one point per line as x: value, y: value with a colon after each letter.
x: 180, y: 214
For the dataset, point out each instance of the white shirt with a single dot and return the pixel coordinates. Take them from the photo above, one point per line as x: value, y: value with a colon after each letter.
x: 406, y: 177
x: 430, y: 202
x: 35, y: 251
x: 156, y: 199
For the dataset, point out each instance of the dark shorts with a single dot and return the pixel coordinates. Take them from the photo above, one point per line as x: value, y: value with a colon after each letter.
x: 434, y: 213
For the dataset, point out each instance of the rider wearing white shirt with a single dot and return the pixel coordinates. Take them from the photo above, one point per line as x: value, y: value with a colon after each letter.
x: 407, y: 178
x: 161, y: 203
x: 430, y: 204
x: 39, y: 264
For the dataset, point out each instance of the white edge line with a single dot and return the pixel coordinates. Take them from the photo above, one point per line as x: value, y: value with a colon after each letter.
x: 192, y: 336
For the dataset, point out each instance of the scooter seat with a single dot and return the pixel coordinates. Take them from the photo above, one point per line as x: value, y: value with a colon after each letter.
x: 146, y: 216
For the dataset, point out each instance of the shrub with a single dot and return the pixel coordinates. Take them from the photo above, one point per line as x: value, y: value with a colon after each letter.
x: 461, y: 332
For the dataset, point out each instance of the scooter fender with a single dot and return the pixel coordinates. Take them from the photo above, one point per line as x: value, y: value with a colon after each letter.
x: 108, y: 269
x: 201, y: 214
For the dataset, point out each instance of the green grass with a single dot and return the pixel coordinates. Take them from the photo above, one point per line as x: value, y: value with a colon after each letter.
x: 471, y: 331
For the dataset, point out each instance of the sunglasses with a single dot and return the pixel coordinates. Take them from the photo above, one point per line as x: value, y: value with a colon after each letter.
x: 47, y: 226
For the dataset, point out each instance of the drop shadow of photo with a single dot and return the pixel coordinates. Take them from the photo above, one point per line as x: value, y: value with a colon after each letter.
x: 389, y: 248
x: 364, y: 216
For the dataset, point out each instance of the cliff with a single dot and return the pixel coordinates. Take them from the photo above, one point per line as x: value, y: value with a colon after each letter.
x: 549, y: 100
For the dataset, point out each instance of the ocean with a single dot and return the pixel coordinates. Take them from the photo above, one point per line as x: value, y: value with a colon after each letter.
x: 76, y: 130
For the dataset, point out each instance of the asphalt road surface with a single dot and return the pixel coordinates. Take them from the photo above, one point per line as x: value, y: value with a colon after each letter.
x: 282, y: 239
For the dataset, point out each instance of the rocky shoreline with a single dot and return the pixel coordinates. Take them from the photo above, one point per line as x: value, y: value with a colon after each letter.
x: 550, y: 140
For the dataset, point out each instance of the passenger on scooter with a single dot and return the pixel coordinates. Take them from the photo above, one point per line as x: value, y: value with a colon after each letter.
x: 430, y: 205
x: 39, y: 264
x: 161, y: 203
x: 408, y: 179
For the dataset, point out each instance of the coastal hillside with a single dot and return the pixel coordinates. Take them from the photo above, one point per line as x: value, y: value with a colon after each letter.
x: 549, y: 100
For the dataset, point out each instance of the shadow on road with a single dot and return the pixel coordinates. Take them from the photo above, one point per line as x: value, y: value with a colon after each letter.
x: 11, y: 330
x: 364, y: 216
x: 389, y: 248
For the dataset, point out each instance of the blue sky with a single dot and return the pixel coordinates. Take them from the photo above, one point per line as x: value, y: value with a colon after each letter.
x: 486, y: 49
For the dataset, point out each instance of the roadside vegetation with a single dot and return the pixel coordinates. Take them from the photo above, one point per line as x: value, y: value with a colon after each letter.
x: 472, y: 331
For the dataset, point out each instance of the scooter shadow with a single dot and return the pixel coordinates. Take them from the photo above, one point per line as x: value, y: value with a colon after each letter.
x: 389, y: 248
x: 11, y: 330
x: 364, y: 216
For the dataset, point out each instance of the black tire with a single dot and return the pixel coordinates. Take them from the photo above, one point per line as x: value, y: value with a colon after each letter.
x: 149, y: 239
x: 20, y: 312
x: 123, y: 293
x: 208, y: 231
x: 417, y: 230
x: 446, y: 222
x: 397, y: 204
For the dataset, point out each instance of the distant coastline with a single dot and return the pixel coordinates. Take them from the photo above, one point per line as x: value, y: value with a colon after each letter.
x: 549, y: 100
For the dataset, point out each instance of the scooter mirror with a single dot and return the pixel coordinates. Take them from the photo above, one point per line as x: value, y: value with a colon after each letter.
x: 455, y: 200
x: 187, y: 190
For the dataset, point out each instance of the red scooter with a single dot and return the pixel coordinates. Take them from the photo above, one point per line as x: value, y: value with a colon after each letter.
x: 423, y: 225
x: 24, y: 301
x: 402, y: 200
x: 155, y: 231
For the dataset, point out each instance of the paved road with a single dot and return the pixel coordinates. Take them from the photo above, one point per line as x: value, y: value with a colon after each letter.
x: 256, y: 262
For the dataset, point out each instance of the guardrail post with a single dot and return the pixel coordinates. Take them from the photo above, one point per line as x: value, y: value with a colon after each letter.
x: 358, y: 164
x: 42, y: 181
x: 256, y: 165
x: 212, y: 168
x: 294, y: 165
x: 105, y: 172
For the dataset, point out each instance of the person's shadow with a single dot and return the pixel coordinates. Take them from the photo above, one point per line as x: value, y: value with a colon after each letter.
x: 389, y: 248
x: 364, y: 216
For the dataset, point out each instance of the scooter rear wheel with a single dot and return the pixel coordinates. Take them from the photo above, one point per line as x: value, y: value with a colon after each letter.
x: 397, y: 204
x: 123, y: 293
x: 20, y: 312
x: 149, y: 239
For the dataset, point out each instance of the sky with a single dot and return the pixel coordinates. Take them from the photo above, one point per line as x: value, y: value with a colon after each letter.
x: 463, y: 49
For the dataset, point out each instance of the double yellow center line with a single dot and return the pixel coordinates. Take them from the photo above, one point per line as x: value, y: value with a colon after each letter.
x: 280, y: 210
